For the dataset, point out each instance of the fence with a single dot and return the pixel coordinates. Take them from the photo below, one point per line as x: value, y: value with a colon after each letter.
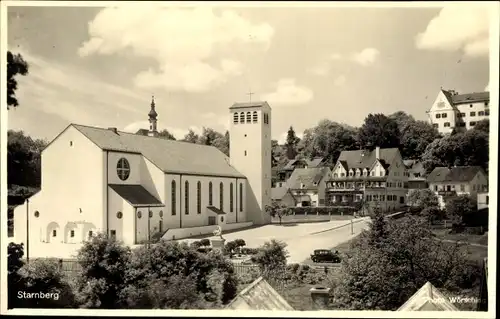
x: 69, y: 267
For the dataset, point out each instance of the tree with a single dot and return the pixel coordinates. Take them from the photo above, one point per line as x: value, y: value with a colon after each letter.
x: 415, y: 137
x: 291, y: 143
x: 222, y: 142
x: 15, y: 282
x: 46, y: 276
x: 166, y: 135
x: 402, y: 119
x: 328, y: 139
x: 159, y: 263
x: 422, y: 198
x: 276, y: 210
x: 460, y: 209
x: 191, y: 137
x: 383, y: 275
x: 378, y: 227
x: 379, y: 130
x: 272, y: 259
x: 15, y: 65
x: 104, y: 262
x: 23, y: 159
x: 483, y: 126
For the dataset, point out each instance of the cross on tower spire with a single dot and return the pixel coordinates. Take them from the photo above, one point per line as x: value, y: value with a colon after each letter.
x: 250, y: 93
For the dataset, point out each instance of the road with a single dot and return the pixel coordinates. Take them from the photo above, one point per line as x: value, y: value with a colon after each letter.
x: 301, y: 239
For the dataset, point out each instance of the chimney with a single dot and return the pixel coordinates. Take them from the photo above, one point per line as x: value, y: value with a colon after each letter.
x: 377, y: 152
x: 113, y: 129
x: 320, y: 297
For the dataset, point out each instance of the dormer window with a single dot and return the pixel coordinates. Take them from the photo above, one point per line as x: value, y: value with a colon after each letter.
x: 373, y: 174
x: 351, y: 174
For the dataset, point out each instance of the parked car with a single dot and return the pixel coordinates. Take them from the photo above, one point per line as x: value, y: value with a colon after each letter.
x: 325, y: 256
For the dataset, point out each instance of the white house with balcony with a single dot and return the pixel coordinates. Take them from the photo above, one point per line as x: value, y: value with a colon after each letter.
x: 132, y: 186
x: 377, y: 177
x: 459, y: 180
x: 461, y: 111
x: 307, y: 186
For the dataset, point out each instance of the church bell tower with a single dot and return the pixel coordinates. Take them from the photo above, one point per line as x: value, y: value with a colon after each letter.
x: 153, y: 131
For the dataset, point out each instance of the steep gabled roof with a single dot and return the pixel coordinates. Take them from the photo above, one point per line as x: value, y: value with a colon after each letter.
x: 259, y: 295
x: 466, y: 98
x: 428, y: 298
x: 315, y: 162
x: 364, y: 158
x: 174, y: 157
x: 309, y: 177
x: 454, y: 174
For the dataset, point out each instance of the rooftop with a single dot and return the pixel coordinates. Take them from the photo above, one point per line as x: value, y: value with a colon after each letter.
x: 259, y: 295
x: 366, y: 158
x: 175, y: 157
x: 454, y: 174
x: 466, y: 98
x: 428, y: 298
x: 307, y: 178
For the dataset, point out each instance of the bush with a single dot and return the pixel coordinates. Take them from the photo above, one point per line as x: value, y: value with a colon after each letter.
x: 205, y: 242
x: 249, y: 251
x: 272, y: 258
x: 196, y: 244
x: 156, y: 237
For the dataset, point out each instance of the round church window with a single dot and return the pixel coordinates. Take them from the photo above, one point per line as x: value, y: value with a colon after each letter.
x: 160, y: 213
x: 139, y: 214
x: 37, y: 214
x: 119, y: 215
x: 123, y: 169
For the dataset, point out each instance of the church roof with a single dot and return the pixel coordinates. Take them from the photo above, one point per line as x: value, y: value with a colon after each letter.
x: 248, y: 104
x: 136, y: 195
x: 259, y: 295
x: 428, y: 298
x: 175, y: 157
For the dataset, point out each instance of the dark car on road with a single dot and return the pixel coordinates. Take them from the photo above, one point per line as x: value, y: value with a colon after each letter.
x: 325, y: 256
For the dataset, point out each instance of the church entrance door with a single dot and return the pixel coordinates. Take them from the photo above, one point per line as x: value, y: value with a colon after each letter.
x: 212, y: 220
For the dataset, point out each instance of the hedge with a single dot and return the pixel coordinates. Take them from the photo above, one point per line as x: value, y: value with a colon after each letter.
x: 326, y: 210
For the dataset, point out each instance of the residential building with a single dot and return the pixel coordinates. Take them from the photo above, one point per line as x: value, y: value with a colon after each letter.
x: 416, y: 174
x: 483, y: 200
x: 131, y: 186
x: 459, y: 180
x: 461, y: 111
x: 428, y: 298
x: 308, y: 185
x: 377, y: 177
x: 282, y: 195
x: 283, y: 174
x: 259, y: 295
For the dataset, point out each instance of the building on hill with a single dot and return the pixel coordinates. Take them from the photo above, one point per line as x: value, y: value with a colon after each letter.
x: 461, y: 111
x: 459, y: 180
x: 132, y: 186
x: 307, y: 186
x: 375, y: 177
x: 416, y: 174
x: 283, y: 196
x: 259, y: 295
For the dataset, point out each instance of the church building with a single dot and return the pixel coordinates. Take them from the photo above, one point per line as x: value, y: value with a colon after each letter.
x: 137, y: 187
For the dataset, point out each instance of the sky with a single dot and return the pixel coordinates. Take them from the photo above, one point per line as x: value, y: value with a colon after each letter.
x: 101, y: 66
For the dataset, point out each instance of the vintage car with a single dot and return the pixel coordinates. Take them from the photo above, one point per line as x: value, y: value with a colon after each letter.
x: 325, y: 256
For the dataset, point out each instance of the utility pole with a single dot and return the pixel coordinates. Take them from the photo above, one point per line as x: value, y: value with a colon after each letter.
x: 149, y: 226
x: 27, y: 230
x: 352, y: 227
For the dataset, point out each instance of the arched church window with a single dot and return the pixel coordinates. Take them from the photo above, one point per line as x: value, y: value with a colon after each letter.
x: 210, y: 189
x: 139, y: 214
x: 123, y: 169
x: 150, y: 214
x: 221, y: 196
x: 231, y: 198
x: 186, y: 197
x: 254, y: 116
x: 242, y: 117
x: 198, y: 197
x: 119, y: 215
x: 37, y: 214
x: 241, y: 197
x: 173, y: 200
x: 249, y: 117
x: 235, y: 118
x: 160, y: 213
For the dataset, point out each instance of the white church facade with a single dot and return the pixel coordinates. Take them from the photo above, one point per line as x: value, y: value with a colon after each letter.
x: 135, y: 187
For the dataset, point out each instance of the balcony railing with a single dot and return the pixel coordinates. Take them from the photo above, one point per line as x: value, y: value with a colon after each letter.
x: 350, y: 187
x: 359, y: 178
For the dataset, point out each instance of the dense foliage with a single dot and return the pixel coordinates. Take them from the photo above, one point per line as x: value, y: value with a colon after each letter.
x: 15, y: 65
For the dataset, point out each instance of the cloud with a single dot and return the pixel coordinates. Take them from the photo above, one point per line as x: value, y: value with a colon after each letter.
x: 323, y: 68
x: 181, y: 41
x: 457, y: 27
x: 288, y: 93
x: 340, y: 80
x: 366, y: 57
x: 335, y: 56
x: 178, y: 133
